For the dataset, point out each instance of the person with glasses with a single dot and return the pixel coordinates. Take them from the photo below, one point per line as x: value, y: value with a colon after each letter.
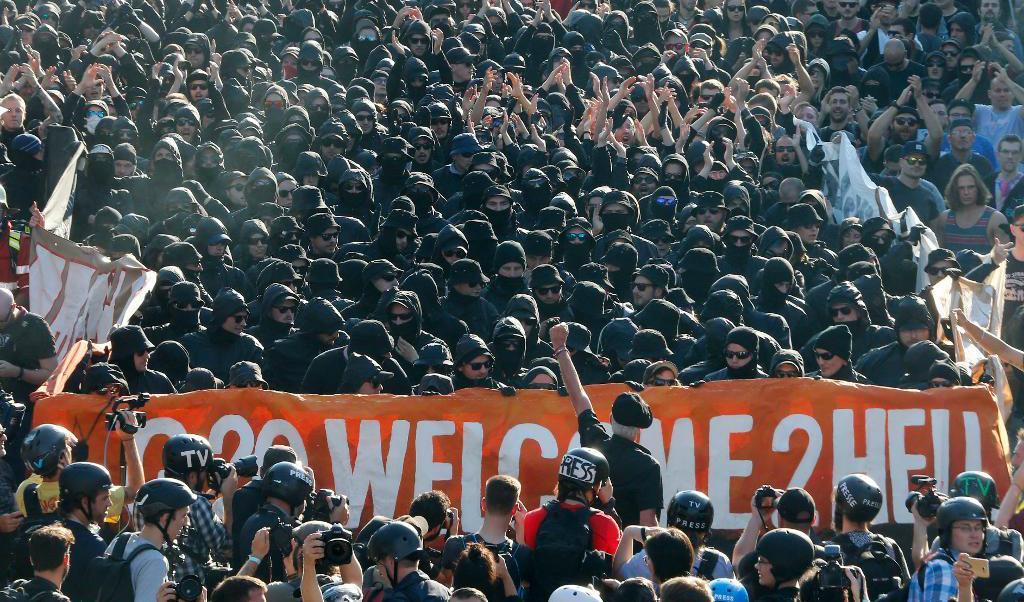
x: 448, y: 179
x: 212, y: 241
x: 741, y: 349
x: 184, y: 300
x: 129, y: 351
x: 322, y: 234
x: 466, y: 282
x: 276, y: 314
x: 423, y: 144
x: 547, y: 288
x: 318, y: 328
x: 787, y: 363
x: 474, y: 363
x: 846, y: 307
x: 884, y: 366
x: 910, y: 188
x: 661, y: 374
x: 224, y: 342
x: 962, y: 523
x: 832, y: 349
x: 401, y: 313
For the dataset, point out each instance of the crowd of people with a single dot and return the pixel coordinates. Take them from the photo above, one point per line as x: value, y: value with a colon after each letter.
x: 424, y: 196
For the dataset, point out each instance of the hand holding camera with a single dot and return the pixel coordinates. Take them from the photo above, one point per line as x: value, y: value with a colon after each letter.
x: 925, y: 501
x: 125, y: 415
x: 188, y: 589
x: 766, y: 497
x: 223, y: 475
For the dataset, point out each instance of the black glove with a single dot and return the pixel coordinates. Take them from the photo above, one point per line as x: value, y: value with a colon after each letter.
x: 507, y: 391
x: 632, y: 384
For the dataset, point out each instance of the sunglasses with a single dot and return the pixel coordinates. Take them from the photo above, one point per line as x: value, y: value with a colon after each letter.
x: 640, y: 286
x: 188, y: 306
x: 936, y: 271
x: 364, y: 117
x: 308, y: 63
x: 94, y: 113
x: 355, y: 187
x: 664, y: 382
x: 713, y: 211
x: 423, y: 146
x: 332, y: 142
x: 841, y: 311
x: 400, y: 318
x: 284, y: 192
x: 548, y: 290
x: 848, y: 4
x: 735, y: 8
x: 905, y: 121
x: 442, y: 121
x: 240, y: 318
x: 951, y: 52
x: 645, y: 180
x: 824, y: 355
x: 400, y: 234
x: 740, y: 240
x: 916, y: 160
x: 273, y: 104
x: 199, y: 86
x: 456, y: 252
x: 787, y: 374
x: 183, y: 122
x: 481, y: 365
x: 418, y: 40
x: 677, y: 46
x: 816, y: 34
x: 785, y: 149
x: 940, y: 384
x: 737, y: 355
x: 330, y: 235
x: 285, y: 309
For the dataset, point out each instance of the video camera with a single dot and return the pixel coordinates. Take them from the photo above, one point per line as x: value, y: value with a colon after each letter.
x: 11, y: 412
x: 831, y: 581
x: 121, y: 407
x: 927, y: 499
x: 189, y: 588
x: 220, y: 469
x: 767, y: 496
x: 322, y: 503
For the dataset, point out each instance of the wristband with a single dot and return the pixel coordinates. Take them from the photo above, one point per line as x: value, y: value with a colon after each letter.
x: 255, y: 559
x: 560, y: 350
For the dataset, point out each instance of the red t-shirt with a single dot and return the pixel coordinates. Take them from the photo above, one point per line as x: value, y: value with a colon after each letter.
x: 603, y: 528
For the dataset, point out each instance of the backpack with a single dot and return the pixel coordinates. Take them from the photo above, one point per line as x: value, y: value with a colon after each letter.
x: 34, y: 519
x: 15, y: 592
x: 881, y: 572
x: 112, y: 573
x: 903, y: 594
x: 563, y: 540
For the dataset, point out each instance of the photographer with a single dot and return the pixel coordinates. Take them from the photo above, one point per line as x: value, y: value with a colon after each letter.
x: 247, y: 499
x: 396, y: 549
x: 667, y: 553
x: 163, y: 505
x: 961, y: 522
x: 442, y: 522
x: 783, y: 557
x: 857, y: 501
x: 795, y: 508
x: 189, y: 458
x: 692, y: 513
x: 85, y: 497
x: 286, y: 488
x: 833, y: 582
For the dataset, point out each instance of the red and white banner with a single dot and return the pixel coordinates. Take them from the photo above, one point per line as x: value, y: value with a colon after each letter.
x: 80, y: 292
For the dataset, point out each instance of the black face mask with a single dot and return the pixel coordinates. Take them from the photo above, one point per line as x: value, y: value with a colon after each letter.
x: 509, y: 360
x: 166, y: 170
x: 101, y: 171
x: 573, y: 184
x: 499, y: 219
x: 536, y: 198
x: 737, y: 252
x: 318, y: 115
x: 509, y: 284
x: 621, y: 278
x: 423, y: 200
x: 407, y: 330
x: 261, y: 192
x: 576, y: 253
x: 289, y: 150
x: 208, y: 173
x: 393, y: 165
x: 615, y: 221
x: 183, y: 318
x: 665, y: 211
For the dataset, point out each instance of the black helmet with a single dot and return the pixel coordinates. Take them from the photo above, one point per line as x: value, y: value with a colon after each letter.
x: 1013, y: 592
x: 44, y: 447
x: 163, y: 495
x: 83, y: 479
x: 978, y: 485
x: 583, y: 466
x: 858, y: 497
x: 691, y: 511
x: 186, y: 453
x: 287, y: 482
x: 958, y: 508
x: 1002, y: 571
x: 790, y: 553
x: 397, y: 539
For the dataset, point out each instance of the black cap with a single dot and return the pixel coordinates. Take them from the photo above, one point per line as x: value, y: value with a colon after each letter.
x: 914, y: 148
x: 362, y: 368
x: 836, y: 339
x: 629, y: 409
x: 130, y: 339
x: 796, y: 506
x: 466, y: 271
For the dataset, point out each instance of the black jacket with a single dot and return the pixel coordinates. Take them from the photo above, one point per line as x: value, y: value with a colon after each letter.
x: 217, y: 350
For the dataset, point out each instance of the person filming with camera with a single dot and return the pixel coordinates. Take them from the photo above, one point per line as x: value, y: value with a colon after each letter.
x: 286, y: 488
x: 189, y: 458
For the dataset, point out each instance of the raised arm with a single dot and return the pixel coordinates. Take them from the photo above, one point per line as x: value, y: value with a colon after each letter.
x: 580, y: 402
x: 991, y: 343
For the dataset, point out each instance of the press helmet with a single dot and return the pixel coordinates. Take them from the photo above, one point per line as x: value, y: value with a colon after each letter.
x: 585, y: 467
x: 858, y: 497
x: 728, y: 590
x: 691, y: 511
x: 288, y: 482
x: 397, y: 539
x: 186, y: 453
x: 978, y: 485
x: 160, y: 496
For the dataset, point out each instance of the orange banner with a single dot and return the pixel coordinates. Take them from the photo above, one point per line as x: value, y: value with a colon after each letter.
x: 725, y: 438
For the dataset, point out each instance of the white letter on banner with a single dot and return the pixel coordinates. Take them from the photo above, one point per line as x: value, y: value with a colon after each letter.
x: 845, y: 459
x: 679, y: 469
x: 780, y: 443
x: 512, y: 446
x: 237, y: 424
x: 370, y: 469
x: 972, y: 441
x: 940, y: 448
x: 721, y: 467
x: 156, y: 427
x: 472, y: 452
x: 428, y: 471
x: 900, y: 462
x: 281, y: 428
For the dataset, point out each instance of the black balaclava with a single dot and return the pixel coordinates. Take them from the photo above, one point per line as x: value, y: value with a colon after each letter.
x: 747, y: 339
x: 537, y: 191
x: 99, y: 167
x: 184, y: 294
x: 508, y: 361
x: 509, y: 251
x: 665, y: 211
x: 776, y: 271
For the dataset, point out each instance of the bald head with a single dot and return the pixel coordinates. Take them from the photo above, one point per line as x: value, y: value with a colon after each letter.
x: 6, y: 303
x: 895, y: 52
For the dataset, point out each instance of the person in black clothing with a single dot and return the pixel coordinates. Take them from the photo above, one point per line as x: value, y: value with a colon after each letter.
x: 184, y: 301
x: 129, y: 351
x: 464, y: 301
x: 832, y: 349
x: 223, y: 343
x: 249, y: 497
x: 277, y: 308
x: 401, y: 313
x: 884, y: 365
x: 474, y: 364
x: 396, y: 549
x: 48, y: 550
x: 379, y: 276
x: 741, y: 351
x: 318, y: 327
x: 635, y: 472
x: 285, y: 488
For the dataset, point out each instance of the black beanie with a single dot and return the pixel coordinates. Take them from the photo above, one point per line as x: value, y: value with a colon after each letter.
x: 509, y: 251
x: 836, y: 339
x: 744, y: 337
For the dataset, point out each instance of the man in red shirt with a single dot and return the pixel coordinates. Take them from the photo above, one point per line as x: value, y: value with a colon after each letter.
x: 577, y: 519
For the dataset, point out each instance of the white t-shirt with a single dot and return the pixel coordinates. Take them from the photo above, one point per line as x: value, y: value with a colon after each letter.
x: 637, y: 565
x: 149, y: 569
x: 996, y: 124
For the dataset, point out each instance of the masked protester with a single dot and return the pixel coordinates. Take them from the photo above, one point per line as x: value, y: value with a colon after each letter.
x: 184, y: 303
x: 277, y: 309
x: 318, y: 327
x: 401, y: 313
x: 223, y: 343
x: 740, y: 353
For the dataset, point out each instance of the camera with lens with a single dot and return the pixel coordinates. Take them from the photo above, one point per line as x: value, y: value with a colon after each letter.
x: 766, y: 497
x: 832, y: 575
x: 189, y: 588
x: 116, y: 417
x: 220, y: 469
x: 281, y: 537
x: 322, y: 504
x: 11, y: 411
x: 215, y: 573
x: 927, y: 499
x: 337, y: 545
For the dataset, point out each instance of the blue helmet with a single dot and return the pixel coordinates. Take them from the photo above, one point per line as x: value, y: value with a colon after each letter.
x: 728, y: 590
